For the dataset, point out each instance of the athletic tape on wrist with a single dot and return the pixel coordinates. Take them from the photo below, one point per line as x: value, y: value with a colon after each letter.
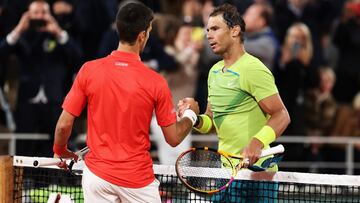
x: 59, y: 149
x: 266, y: 135
x: 207, y: 124
x: 191, y: 115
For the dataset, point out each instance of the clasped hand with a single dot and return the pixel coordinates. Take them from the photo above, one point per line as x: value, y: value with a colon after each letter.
x: 188, y: 103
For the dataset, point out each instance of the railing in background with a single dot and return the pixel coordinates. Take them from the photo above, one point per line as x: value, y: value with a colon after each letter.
x: 12, y: 137
x: 350, y: 165
x: 348, y: 141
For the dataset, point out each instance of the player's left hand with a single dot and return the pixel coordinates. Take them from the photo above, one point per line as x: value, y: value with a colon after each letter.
x: 252, y: 151
x: 68, y: 154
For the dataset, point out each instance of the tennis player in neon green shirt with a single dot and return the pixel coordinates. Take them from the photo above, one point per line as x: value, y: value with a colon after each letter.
x: 244, y: 105
x: 233, y: 95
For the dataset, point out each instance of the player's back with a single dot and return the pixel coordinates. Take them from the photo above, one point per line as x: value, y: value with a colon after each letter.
x: 122, y: 94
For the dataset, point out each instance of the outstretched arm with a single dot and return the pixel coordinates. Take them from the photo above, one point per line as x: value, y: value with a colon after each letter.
x: 176, y: 133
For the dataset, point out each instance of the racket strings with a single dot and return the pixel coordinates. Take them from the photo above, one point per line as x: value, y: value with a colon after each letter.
x: 203, y: 170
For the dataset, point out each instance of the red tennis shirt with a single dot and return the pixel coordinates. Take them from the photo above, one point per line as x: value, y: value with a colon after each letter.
x: 121, y: 94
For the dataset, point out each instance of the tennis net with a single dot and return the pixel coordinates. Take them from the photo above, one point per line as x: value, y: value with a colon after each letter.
x: 37, y: 184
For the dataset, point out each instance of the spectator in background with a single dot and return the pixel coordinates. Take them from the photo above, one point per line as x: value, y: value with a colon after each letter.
x: 320, y: 105
x: 320, y: 112
x: 260, y: 39
x: 47, y: 54
x: 292, y: 75
x: 347, y: 40
x: 295, y: 73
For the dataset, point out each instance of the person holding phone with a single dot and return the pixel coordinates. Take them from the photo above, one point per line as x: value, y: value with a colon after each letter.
x: 47, y: 55
x: 39, y: 19
x: 295, y: 75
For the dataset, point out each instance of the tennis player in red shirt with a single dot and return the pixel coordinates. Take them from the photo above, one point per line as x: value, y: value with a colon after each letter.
x: 121, y: 94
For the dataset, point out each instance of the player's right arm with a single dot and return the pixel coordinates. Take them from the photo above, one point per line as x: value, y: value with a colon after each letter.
x: 176, y: 132
x: 62, y: 135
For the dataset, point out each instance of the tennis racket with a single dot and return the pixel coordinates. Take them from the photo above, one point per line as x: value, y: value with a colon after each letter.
x: 207, y: 171
x: 42, y: 161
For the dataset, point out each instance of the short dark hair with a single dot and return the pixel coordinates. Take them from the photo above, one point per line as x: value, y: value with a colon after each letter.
x: 266, y: 13
x: 231, y: 16
x: 131, y: 19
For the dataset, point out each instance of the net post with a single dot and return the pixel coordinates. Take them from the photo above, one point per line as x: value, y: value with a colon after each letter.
x: 6, y: 179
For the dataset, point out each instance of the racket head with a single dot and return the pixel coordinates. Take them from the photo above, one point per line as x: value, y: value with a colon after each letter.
x: 201, y: 170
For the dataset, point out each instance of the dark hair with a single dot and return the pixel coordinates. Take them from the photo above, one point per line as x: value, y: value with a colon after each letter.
x: 131, y: 19
x: 266, y: 13
x: 231, y: 16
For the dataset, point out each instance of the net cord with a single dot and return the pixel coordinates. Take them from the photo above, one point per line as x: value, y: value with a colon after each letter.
x: 245, y: 174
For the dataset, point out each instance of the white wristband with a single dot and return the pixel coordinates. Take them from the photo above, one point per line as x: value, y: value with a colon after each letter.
x: 191, y: 115
x: 63, y: 37
x: 12, y: 38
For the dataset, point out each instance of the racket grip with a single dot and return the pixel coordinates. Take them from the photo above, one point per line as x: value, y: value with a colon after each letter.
x: 46, y: 162
x: 273, y: 150
x: 41, y: 161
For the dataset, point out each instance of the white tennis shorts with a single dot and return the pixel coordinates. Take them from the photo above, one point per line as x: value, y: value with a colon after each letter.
x: 97, y: 190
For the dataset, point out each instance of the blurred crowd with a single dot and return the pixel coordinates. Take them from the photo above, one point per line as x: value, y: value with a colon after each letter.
x: 311, y: 46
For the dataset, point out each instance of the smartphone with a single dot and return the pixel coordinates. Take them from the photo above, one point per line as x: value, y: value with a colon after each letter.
x: 37, y: 23
x: 295, y: 49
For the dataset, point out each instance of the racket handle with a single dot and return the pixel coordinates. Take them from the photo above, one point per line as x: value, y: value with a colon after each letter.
x: 46, y: 162
x: 41, y: 161
x: 273, y: 150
